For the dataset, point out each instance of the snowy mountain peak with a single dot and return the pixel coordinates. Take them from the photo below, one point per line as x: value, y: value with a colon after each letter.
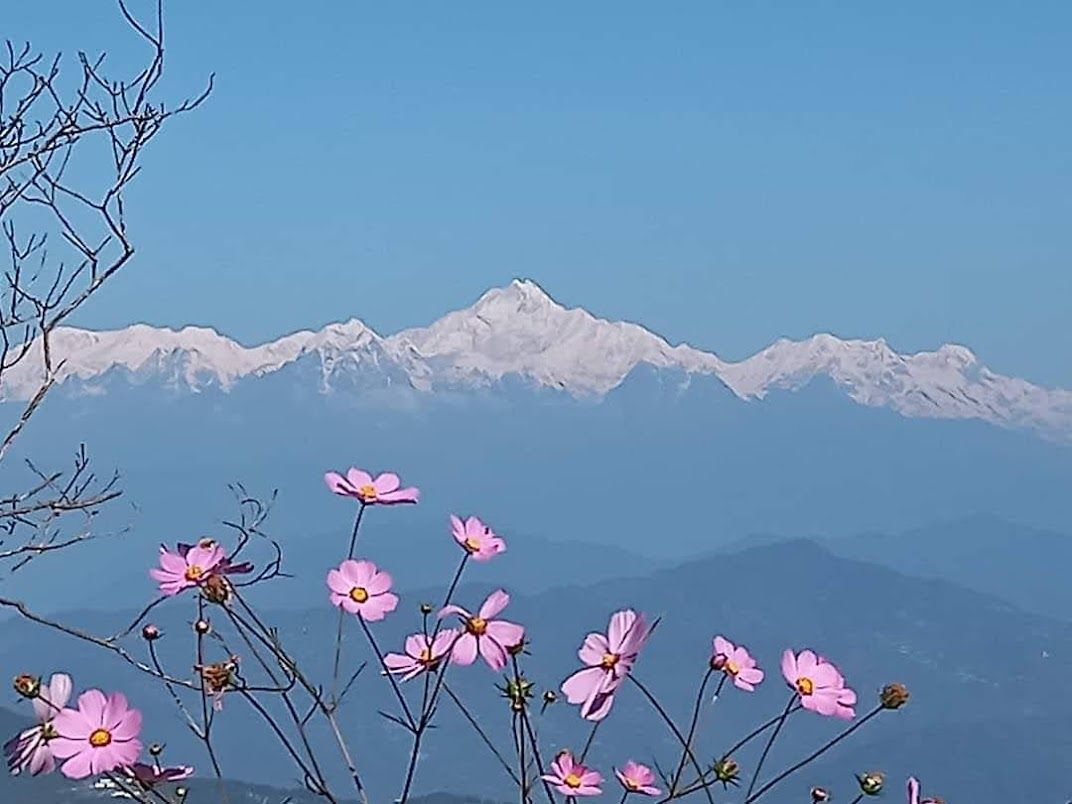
x: 520, y: 330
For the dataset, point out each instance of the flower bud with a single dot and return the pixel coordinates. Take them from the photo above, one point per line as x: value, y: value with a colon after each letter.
x: 216, y: 589
x: 150, y: 632
x: 156, y: 750
x: 181, y: 792
x: 427, y: 608
x: 727, y: 771
x: 27, y: 686
x: 871, y: 783
x: 207, y: 543
x: 549, y: 697
x: 819, y: 794
x: 718, y: 662
x: 202, y: 627
x: 894, y: 696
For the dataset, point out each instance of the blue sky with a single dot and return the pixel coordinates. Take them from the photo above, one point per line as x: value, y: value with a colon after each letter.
x: 724, y: 173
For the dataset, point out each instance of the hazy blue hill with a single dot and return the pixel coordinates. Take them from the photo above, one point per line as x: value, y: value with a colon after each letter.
x: 657, y: 468
x: 976, y: 665
x: 1026, y: 566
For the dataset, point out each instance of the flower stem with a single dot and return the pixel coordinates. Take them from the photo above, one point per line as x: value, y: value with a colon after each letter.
x: 673, y: 728
x: 766, y: 749
x: 692, y: 725
x: 814, y: 755
x: 589, y: 741
x: 390, y: 676
x: 338, y: 633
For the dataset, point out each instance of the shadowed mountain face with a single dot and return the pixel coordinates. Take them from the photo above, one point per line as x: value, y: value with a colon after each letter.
x: 977, y: 667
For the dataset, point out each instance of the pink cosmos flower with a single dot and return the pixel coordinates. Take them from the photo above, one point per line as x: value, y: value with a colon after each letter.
x: 737, y: 663
x: 636, y: 778
x: 913, y: 793
x: 381, y: 490
x: 484, y: 635
x: 31, y: 749
x: 150, y: 776
x: 101, y: 735
x: 609, y: 659
x: 178, y: 572
x: 225, y: 567
x: 476, y: 538
x: 571, y: 778
x: 422, y: 653
x: 360, y: 588
x: 819, y: 683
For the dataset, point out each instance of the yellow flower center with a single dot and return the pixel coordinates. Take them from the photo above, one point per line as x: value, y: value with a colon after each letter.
x: 477, y: 626
x: 472, y: 544
x: 573, y: 780
x: 359, y: 594
x: 631, y: 784
x: 733, y: 668
x: 194, y: 572
x: 100, y: 738
x: 426, y: 656
x: 367, y: 492
x: 805, y: 686
x: 609, y: 661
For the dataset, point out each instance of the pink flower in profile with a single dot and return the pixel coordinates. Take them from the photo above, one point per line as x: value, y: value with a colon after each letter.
x: 423, y: 653
x: 819, y: 684
x: 101, y: 735
x: 31, y: 749
x: 381, y: 490
x: 476, y: 538
x: 571, y: 778
x: 913, y: 793
x: 609, y: 658
x: 636, y: 778
x: 737, y: 663
x: 150, y: 776
x: 491, y: 638
x: 225, y: 567
x: 361, y: 588
x: 178, y: 572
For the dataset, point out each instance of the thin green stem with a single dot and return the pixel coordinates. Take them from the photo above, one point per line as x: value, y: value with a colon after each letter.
x: 770, y: 743
x: 338, y: 633
x: 673, y: 728
x: 813, y: 756
x: 692, y: 725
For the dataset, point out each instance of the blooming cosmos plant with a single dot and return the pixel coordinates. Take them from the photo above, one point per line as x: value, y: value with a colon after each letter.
x: 383, y: 489
x: 179, y: 571
x: 101, y: 735
x: 476, y: 538
x: 361, y: 588
x: 31, y: 749
x: 489, y: 637
x: 571, y: 778
x: 636, y: 778
x: 609, y: 658
x: 423, y: 652
x: 819, y: 684
x: 737, y: 663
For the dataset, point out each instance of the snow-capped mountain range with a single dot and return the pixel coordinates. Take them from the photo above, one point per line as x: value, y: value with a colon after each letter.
x: 520, y: 331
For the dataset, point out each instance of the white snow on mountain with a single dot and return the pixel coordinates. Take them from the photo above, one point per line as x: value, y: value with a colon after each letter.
x: 519, y: 330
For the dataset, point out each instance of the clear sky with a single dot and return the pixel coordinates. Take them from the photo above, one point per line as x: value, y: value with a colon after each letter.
x: 725, y: 173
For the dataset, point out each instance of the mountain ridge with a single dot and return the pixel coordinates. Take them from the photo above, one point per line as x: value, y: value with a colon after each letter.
x: 521, y: 331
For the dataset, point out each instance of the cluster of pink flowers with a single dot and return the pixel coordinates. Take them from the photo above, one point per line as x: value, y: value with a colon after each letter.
x: 100, y: 736
x: 573, y: 779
